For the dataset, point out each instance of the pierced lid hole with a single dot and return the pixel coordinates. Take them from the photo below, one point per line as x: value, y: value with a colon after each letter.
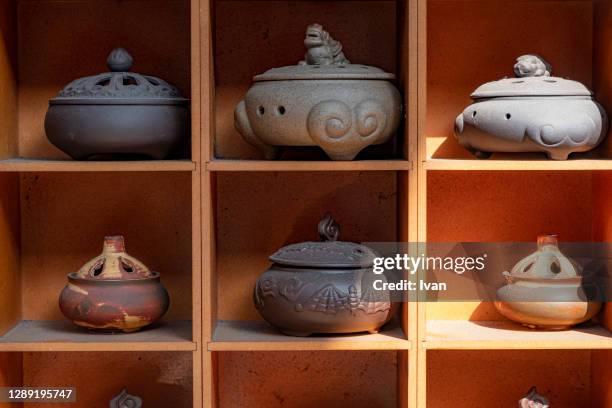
x: 261, y: 110
x: 104, y: 82
x: 474, y: 114
x: 508, y: 116
x: 550, y: 81
x: 98, y: 269
x: 127, y: 268
x: 555, y: 268
x: 528, y: 268
x: 127, y: 81
x: 281, y: 110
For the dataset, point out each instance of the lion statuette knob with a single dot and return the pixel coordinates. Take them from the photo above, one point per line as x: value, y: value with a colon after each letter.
x: 531, y: 66
x: 322, y: 49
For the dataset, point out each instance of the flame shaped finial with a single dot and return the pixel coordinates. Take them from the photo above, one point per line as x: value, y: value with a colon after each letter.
x: 534, y: 400
x: 119, y: 60
x: 329, y: 230
x: 125, y: 400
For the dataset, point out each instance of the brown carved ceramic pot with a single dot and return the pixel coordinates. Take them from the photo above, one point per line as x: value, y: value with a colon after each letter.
x: 546, y: 290
x: 322, y: 287
x: 114, y: 292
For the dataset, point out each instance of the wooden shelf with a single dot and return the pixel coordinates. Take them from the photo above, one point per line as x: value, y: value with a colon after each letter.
x: 260, y: 336
x: 506, y: 335
x: 518, y: 164
x: 59, y: 335
x: 268, y: 165
x: 43, y: 165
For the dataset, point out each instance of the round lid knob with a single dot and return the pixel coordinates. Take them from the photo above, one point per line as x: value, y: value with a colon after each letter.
x: 119, y: 60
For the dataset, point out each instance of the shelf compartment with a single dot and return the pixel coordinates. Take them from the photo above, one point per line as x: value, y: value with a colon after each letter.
x: 265, y: 165
x: 462, y: 379
x: 519, y: 163
x: 260, y: 336
x: 302, y: 379
x: 259, y: 32
x: 60, y: 335
x: 502, y: 335
x: 43, y: 165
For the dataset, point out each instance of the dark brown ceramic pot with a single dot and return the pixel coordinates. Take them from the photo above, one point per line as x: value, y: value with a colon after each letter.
x: 114, y: 292
x: 323, y: 287
x: 118, y: 115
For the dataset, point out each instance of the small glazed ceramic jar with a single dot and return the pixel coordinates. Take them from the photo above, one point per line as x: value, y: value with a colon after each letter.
x: 546, y: 290
x: 533, y: 400
x: 118, y: 114
x: 114, y: 292
x: 322, y: 287
x: 323, y: 101
x: 534, y: 112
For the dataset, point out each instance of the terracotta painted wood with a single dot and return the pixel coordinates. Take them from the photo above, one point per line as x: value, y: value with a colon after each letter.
x: 61, y: 335
x: 472, y: 42
x: 260, y: 336
x: 602, y: 232
x: 326, y: 379
x: 66, y: 215
x: 10, y: 374
x: 10, y: 279
x: 602, y: 60
x: 500, y: 378
x: 42, y: 165
x: 8, y: 79
x: 161, y: 379
x: 73, y: 40
x: 601, y: 378
x: 506, y: 335
x: 268, y: 165
x: 522, y: 162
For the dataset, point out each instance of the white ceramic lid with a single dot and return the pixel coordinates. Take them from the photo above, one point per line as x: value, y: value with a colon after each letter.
x: 533, y: 78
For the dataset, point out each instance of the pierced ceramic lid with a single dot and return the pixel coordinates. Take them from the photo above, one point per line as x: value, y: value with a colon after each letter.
x: 324, y: 59
x: 533, y: 78
x: 114, y: 264
x: 329, y: 253
x: 547, y: 263
x: 119, y: 86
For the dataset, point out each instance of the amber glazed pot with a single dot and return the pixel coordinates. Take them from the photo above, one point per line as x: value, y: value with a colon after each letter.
x: 322, y: 287
x: 114, y: 292
x: 546, y: 290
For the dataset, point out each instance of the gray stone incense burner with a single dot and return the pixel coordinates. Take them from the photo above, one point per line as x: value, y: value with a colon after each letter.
x: 323, y: 101
x: 534, y: 112
x: 118, y: 114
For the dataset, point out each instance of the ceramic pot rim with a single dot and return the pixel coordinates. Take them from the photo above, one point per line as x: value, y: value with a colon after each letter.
x: 155, y: 276
x: 119, y: 101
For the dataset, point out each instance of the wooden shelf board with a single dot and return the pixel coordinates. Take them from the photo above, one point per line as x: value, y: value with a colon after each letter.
x: 518, y: 165
x: 269, y: 165
x: 60, y: 335
x: 44, y: 165
x: 260, y: 336
x: 506, y: 335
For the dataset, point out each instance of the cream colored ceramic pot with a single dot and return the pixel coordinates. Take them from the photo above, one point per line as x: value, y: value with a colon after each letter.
x: 534, y: 112
x: 324, y: 101
x: 546, y: 290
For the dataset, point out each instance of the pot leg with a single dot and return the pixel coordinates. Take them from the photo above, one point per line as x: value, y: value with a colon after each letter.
x: 295, y: 333
x: 557, y: 155
x: 482, y: 155
x: 373, y: 331
x: 346, y: 156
